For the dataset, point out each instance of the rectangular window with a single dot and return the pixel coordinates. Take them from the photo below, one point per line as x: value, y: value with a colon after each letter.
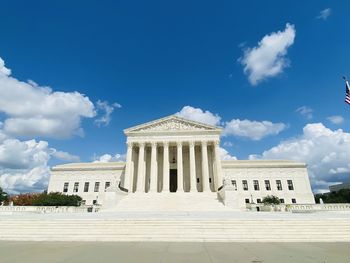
x: 234, y: 184
x: 258, y: 201
x: 97, y: 187
x: 197, y: 180
x: 86, y: 187
x: 245, y: 185
x: 256, y: 185
x: 290, y: 185
x: 107, y: 184
x: 247, y: 200
x: 279, y: 185
x: 76, y: 187
x: 267, y: 185
x: 209, y: 180
x: 65, y: 187
x: 282, y: 201
x: 294, y: 201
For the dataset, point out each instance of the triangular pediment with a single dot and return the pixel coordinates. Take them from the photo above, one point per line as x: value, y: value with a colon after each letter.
x: 171, y: 123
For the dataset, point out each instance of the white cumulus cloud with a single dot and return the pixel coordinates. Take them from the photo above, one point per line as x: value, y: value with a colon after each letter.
x: 32, y: 110
x: 254, y: 130
x: 268, y: 58
x: 105, y: 158
x: 305, y: 111
x: 225, y: 155
x: 324, y: 14
x: 24, y: 164
x: 326, y: 151
x: 336, y: 119
x: 197, y: 114
x: 106, y: 109
x: 65, y: 156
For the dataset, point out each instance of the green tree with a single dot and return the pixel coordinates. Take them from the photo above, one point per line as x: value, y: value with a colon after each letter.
x: 3, y: 196
x: 341, y: 196
x: 271, y: 200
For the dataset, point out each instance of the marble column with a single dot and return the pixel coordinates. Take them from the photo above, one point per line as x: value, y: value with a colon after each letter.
x: 180, y: 183
x: 205, y: 167
x: 154, y: 165
x: 193, y: 179
x: 128, y: 178
x: 166, y: 167
x: 218, y: 171
x: 141, y: 169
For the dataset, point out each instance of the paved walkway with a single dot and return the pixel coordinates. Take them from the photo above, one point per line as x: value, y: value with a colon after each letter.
x: 69, y: 252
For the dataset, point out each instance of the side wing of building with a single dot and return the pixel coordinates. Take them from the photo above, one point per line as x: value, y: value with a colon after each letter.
x: 253, y: 180
x: 88, y: 180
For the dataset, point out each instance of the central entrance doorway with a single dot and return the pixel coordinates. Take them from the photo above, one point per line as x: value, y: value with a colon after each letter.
x: 173, y: 180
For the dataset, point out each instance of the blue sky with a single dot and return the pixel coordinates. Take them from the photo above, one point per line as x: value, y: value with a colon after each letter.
x: 154, y: 58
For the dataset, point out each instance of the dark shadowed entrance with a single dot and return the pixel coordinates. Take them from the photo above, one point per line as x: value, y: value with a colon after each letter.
x: 173, y: 180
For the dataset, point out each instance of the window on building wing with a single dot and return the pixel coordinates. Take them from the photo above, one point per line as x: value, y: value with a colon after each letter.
x: 267, y: 185
x: 65, y: 187
x: 279, y: 185
x: 245, y: 185
x: 97, y: 187
x: 290, y: 185
x: 247, y: 200
x: 107, y: 184
x: 234, y: 184
x: 256, y: 185
x: 76, y: 187
x: 294, y: 201
x: 86, y: 187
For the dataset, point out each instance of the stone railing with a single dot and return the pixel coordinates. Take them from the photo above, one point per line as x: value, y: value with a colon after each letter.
x: 48, y: 209
x: 299, y: 208
x: 318, y: 207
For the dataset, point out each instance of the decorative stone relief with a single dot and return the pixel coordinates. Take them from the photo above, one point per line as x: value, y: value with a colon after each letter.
x: 172, y: 125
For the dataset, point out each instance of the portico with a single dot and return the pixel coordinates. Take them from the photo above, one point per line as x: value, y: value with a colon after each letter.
x: 173, y: 155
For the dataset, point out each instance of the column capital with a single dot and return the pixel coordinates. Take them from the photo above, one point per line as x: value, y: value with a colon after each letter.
x: 154, y: 144
x: 204, y: 142
x: 216, y: 142
x: 130, y: 144
x: 142, y: 144
x: 165, y: 143
x: 179, y: 143
x: 191, y: 143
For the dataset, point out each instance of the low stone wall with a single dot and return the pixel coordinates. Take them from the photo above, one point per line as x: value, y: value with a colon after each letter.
x: 299, y: 208
x: 48, y: 209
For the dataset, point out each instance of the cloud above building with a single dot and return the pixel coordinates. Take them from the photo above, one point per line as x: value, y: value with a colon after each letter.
x: 268, y: 59
x: 324, y: 14
x: 306, y: 112
x: 197, y: 114
x: 336, y: 119
x: 252, y: 130
x: 31, y: 110
x: 325, y: 151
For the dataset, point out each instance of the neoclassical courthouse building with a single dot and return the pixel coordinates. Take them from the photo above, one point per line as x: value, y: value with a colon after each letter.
x: 176, y: 162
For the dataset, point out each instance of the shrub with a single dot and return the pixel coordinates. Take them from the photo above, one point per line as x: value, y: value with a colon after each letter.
x: 271, y: 200
x: 57, y: 199
x: 24, y: 199
x: 44, y: 199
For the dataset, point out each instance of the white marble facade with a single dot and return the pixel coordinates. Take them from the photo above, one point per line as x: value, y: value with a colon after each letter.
x: 177, y: 156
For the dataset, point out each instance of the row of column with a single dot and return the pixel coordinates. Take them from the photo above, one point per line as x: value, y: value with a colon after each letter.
x: 141, y: 172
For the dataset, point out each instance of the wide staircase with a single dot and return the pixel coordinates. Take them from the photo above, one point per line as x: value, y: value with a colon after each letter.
x: 170, y: 202
x: 176, y: 230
